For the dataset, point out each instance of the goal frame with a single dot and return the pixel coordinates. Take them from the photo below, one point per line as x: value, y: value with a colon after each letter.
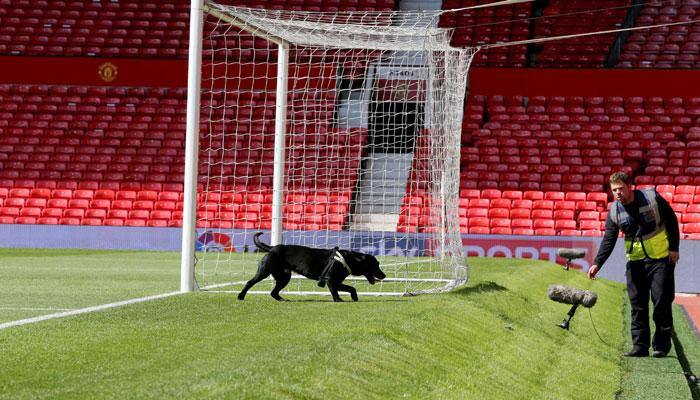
x: 199, y: 9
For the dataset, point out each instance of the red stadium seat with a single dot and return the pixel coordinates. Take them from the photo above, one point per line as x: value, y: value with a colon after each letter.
x: 521, y: 223
x: 575, y: 196
x: 564, y: 224
x: 12, y: 212
x: 35, y: 202
x: 555, y: 196
x: 479, y: 230
x: 564, y: 205
x: 478, y: 221
x: 519, y: 213
x: 499, y: 223
x: 490, y: 194
x: 589, y: 225
x: 159, y: 223
x: 690, y: 217
x: 479, y: 203
x: 543, y: 205
x: 125, y: 195
x: 592, y: 215
x: 563, y: 214
x: 69, y: 221
x: 512, y: 194
x: 62, y: 194
x: 542, y: 224
x: 14, y: 202
x: 47, y: 221
x: 135, y: 222
x: 113, y: 222
x: 585, y: 206
x: 86, y: 194
x: 533, y: 195
x: 498, y: 213
x: 545, y: 232
x: 542, y: 214
x: 477, y: 212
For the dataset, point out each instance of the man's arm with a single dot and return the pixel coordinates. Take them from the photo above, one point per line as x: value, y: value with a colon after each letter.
x: 608, y: 243
x: 606, y: 246
x: 671, y: 224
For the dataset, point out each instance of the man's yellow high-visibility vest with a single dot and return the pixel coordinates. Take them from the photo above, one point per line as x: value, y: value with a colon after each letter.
x: 650, y: 240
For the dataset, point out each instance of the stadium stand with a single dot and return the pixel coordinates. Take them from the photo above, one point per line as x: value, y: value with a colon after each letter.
x: 667, y: 47
x: 583, y: 51
x: 96, y: 155
x: 96, y: 148
x: 125, y: 28
x: 487, y: 25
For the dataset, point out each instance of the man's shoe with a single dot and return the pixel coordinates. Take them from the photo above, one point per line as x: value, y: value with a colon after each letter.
x: 659, y: 354
x: 637, y: 353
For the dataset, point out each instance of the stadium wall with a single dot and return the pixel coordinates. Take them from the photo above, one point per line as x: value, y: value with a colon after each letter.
x: 169, y: 239
x: 484, y: 81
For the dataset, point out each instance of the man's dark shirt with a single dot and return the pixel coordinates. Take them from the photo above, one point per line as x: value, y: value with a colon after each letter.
x: 668, y: 216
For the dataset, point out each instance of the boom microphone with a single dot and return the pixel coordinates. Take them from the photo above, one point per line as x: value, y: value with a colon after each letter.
x: 571, y: 254
x: 569, y: 295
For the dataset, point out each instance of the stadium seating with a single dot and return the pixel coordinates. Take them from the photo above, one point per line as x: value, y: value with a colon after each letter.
x: 571, y: 143
x: 530, y: 165
x: 94, y: 151
x: 488, y: 26
x: 553, y: 155
x: 569, y: 17
x: 666, y: 47
x: 134, y: 29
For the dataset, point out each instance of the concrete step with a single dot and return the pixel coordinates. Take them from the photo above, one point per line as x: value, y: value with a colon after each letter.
x: 374, y: 222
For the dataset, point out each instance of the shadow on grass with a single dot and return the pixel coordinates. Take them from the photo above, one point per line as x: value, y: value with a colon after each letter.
x: 683, y: 360
x: 483, y: 287
x: 373, y: 299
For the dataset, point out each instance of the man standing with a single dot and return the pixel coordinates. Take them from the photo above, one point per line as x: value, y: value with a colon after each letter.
x: 651, y: 244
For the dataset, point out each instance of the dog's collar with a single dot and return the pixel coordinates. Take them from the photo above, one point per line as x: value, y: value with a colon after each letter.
x: 339, y: 257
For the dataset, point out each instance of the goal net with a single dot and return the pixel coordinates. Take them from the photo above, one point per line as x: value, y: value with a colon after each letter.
x: 330, y: 129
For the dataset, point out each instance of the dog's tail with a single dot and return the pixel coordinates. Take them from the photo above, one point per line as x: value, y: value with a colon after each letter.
x: 260, y: 245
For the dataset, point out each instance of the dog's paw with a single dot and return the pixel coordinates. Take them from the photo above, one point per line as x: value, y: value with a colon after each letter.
x: 241, y: 298
x: 337, y: 299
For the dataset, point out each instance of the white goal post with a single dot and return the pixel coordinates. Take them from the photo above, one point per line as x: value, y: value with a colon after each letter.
x: 325, y: 130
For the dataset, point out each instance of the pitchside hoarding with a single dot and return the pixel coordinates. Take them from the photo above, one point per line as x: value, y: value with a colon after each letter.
x: 377, y: 243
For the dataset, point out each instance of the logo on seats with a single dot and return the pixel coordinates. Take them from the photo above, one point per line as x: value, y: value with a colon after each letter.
x: 107, y: 72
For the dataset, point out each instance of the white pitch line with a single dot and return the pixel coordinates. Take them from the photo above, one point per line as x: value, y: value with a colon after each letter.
x: 85, y: 310
x: 35, y: 309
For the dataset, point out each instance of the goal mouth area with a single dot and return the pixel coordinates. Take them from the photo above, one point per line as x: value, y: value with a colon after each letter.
x: 441, y: 285
x: 404, y: 278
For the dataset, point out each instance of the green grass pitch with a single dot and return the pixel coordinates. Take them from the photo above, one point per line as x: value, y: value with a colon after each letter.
x: 495, y: 338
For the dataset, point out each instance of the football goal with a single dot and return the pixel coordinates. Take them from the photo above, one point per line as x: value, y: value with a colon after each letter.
x: 323, y: 129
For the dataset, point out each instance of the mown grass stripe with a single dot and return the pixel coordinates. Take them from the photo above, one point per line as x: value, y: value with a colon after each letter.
x: 84, y: 310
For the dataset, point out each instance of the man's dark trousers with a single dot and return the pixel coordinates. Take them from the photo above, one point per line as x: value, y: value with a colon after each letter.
x: 655, y: 276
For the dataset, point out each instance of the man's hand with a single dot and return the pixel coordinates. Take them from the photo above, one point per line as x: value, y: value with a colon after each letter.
x: 673, y: 256
x: 592, y: 271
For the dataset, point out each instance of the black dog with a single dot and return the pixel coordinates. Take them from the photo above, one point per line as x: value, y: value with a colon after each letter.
x: 325, y: 266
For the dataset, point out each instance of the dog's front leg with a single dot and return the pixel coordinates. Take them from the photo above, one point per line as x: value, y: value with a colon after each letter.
x: 349, y: 289
x: 333, y: 288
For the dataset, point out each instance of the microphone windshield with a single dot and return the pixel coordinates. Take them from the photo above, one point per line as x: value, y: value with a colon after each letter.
x: 571, y: 254
x: 569, y: 295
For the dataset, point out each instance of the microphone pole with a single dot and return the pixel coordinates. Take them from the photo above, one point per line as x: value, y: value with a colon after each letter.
x: 565, y: 323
